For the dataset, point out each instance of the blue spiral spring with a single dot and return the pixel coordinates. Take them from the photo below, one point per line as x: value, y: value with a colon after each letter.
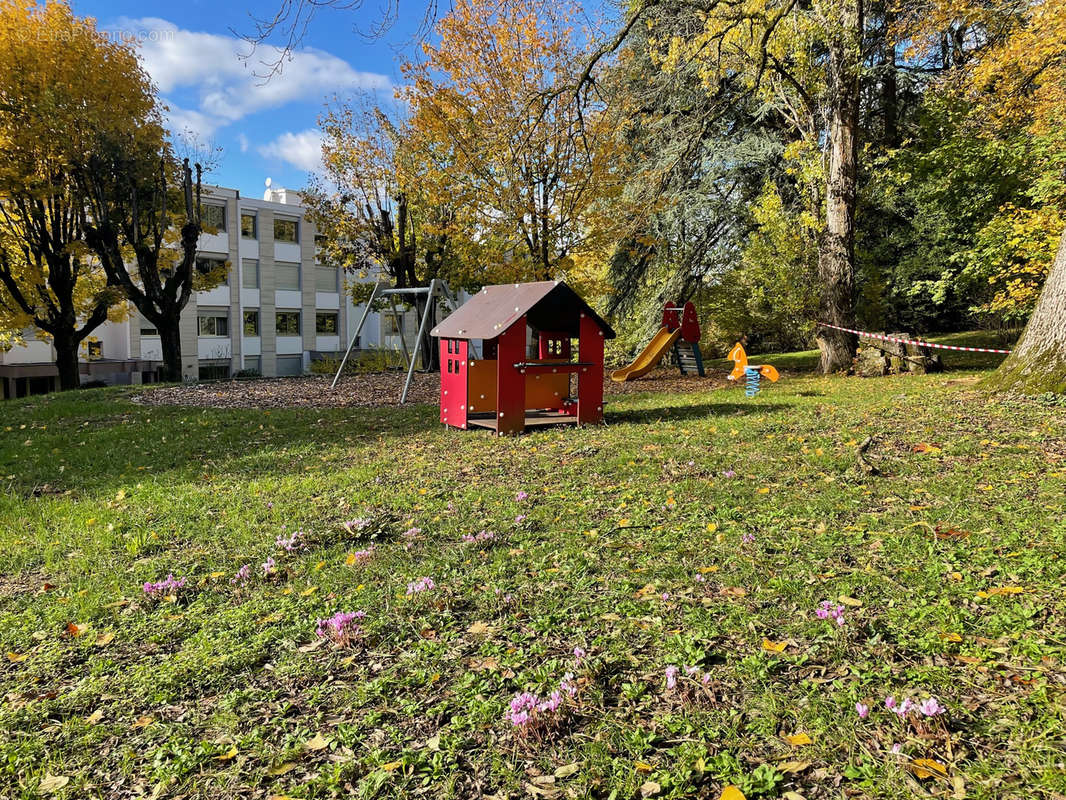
x: 752, y: 385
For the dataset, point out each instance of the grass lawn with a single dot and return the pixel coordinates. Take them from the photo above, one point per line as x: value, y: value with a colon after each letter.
x: 686, y: 548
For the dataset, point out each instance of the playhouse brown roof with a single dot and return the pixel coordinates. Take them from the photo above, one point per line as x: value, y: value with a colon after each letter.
x: 547, y: 305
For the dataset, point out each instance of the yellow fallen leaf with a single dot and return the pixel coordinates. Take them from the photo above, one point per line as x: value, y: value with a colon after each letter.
x: 95, y: 717
x: 798, y: 739
x: 317, y: 743
x: 774, y: 647
x: 732, y: 793
x: 17, y: 657
x: 350, y: 559
x: 479, y: 628
x: 104, y: 639
x: 310, y: 590
x: 764, y: 490
x: 706, y: 570
x: 76, y: 630
x: 392, y: 766
x: 849, y: 601
x: 229, y: 755
x: 928, y: 768
x: 52, y: 783
x: 281, y: 769
x: 951, y: 637
x: 640, y: 766
x: 1002, y: 590
x: 143, y: 722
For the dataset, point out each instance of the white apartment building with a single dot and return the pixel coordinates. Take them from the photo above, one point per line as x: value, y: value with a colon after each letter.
x: 278, y: 310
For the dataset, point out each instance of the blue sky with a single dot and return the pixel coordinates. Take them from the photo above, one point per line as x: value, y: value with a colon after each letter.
x: 265, y: 130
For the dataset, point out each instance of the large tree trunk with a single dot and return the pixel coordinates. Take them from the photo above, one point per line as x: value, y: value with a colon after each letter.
x: 170, y: 341
x: 67, y: 362
x: 1038, y: 362
x: 836, y: 246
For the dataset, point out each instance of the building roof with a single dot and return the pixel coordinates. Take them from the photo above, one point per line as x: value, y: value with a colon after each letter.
x: 547, y: 306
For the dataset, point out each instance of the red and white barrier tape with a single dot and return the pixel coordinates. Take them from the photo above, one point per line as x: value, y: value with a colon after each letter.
x: 868, y: 335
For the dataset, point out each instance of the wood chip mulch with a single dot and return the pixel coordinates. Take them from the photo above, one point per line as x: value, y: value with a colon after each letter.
x: 379, y: 389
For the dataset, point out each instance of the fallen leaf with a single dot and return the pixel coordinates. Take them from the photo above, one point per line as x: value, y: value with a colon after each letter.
x: 732, y: 793
x: 928, y: 768
x: 392, y: 766
x: 568, y: 770
x: 104, y: 639
x: 924, y: 447
x: 798, y: 739
x: 951, y: 637
x: 793, y: 767
x: 433, y: 743
x: 350, y: 559
x: 1001, y: 590
x: 52, y: 783
x: 642, y: 767
x: 281, y: 769
x: 76, y: 630
x: 95, y: 717
x: 312, y: 646
x: 479, y: 628
x: 143, y: 722
x: 317, y: 743
x: 17, y: 657
x: 774, y: 647
x: 229, y: 755
x: 310, y: 590
x: 650, y: 789
x: 849, y: 601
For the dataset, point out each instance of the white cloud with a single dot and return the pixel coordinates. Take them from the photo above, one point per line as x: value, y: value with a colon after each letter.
x: 242, y: 141
x: 228, y: 88
x: 302, y: 150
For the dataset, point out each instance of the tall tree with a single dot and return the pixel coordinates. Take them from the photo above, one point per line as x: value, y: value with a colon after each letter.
x: 529, y: 165
x: 1023, y: 77
x: 63, y: 87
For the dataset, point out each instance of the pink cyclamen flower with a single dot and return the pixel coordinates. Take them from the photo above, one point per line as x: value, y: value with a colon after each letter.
x: 890, y: 702
x: 706, y: 679
x: 521, y: 496
x: 242, y: 575
x: 269, y: 566
x: 357, y: 524
x: 748, y: 538
x: 342, y: 628
x: 931, y: 707
x: 289, y: 543
x: 671, y: 676
x: 579, y: 653
x: 519, y: 519
x: 567, y: 684
x: 862, y: 710
x: 169, y: 585
x: 827, y: 610
x: 896, y: 748
x: 729, y: 474
x: 423, y: 584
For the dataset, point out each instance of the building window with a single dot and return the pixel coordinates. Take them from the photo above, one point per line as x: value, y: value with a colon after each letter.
x: 326, y: 323
x: 211, y: 265
x: 290, y: 365
x: 287, y: 323
x: 147, y: 329
x: 218, y: 371
x: 214, y: 217
x: 252, y: 364
x: 251, y: 322
x: 320, y: 243
x: 248, y: 226
x: 325, y: 279
x: 212, y: 324
x: 287, y: 277
x: 250, y: 273
x: 285, y: 230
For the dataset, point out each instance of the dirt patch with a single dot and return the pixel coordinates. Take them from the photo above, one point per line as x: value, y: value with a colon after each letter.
x: 378, y: 389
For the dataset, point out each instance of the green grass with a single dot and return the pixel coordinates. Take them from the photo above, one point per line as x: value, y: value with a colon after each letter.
x: 224, y: 693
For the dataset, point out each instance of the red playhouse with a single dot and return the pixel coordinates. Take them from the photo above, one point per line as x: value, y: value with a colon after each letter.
x: 505, y: 388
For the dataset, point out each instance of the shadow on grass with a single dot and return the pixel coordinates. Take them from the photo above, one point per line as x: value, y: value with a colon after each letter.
x: 645, y: 414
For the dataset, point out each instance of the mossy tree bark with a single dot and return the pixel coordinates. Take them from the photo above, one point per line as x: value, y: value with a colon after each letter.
x: 1038, y: 362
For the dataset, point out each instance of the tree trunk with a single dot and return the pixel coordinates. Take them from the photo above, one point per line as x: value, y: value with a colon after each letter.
x: 67, y: 363
x: 1038, y: 362
x: 836, y: 245
x: 170, y: 341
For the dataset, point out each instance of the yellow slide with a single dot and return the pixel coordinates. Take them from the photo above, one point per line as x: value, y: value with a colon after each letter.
x: 652, y: 355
